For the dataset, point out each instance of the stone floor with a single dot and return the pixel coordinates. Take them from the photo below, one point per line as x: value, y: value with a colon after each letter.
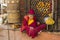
x: 6, y: 34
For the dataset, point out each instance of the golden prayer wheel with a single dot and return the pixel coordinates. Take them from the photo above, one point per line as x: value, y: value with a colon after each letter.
x: 13, y: 11
x: 13, y: 6
x: 13, y: 17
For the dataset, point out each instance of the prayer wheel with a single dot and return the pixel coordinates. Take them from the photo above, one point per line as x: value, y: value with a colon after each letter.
x: 13, y: 11
x: 14, y: 17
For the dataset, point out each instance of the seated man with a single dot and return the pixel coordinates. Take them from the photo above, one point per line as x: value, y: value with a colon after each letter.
x: 31, y: 25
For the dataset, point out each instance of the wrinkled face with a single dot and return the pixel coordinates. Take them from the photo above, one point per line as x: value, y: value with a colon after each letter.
x: 30, y: 16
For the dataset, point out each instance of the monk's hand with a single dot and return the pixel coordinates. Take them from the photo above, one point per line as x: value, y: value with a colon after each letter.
x: 38, y: 23
x: 31, y: 28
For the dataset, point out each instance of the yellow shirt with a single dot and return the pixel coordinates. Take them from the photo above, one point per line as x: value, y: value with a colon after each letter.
x: 30, y: 21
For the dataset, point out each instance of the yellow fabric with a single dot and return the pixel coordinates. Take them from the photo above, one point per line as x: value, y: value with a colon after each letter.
x: 50, y: 21
x: 30, y: 21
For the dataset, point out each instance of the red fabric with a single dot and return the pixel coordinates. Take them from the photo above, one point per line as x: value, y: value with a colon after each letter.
x: 33, y: 33
x: 31, y: 11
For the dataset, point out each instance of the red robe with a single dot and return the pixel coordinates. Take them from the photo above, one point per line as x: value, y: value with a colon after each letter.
x: 36, y: 27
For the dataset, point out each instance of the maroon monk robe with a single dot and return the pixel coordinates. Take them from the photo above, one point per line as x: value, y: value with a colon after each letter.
x: 32, y: 32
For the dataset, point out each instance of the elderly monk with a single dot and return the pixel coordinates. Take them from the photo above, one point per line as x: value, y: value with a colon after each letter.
x: 31, y: 25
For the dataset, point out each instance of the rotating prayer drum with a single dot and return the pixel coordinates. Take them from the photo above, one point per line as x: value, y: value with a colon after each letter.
x: 13, y: 6
x: 13, y: 1
x: 13, y: 17
x: 13, y: 11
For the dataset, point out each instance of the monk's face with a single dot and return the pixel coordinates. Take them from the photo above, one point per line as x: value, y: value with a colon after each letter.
x: 30, y: 16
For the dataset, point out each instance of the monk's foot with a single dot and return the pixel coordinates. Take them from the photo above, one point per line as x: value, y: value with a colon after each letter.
x: 40, y: 32
x: 29, y: 34
x: 34, y: 36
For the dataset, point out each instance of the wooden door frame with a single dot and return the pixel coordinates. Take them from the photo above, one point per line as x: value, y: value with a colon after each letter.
x: 55, y: 15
